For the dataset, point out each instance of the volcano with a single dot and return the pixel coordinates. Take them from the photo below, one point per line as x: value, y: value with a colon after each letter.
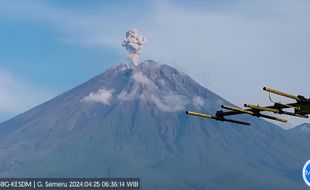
x: 130, y: 121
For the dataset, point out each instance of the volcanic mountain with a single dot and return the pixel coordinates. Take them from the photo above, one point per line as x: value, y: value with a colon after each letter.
x: 302, y: 130
x: 130, y: 121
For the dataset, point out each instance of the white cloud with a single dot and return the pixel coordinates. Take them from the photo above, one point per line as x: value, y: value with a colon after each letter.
x: 198, y: 101
x: 17, y: 96
x: 102, y: 96
x: 168, y: 103
x: 144, y: 89
x: 141, y: 78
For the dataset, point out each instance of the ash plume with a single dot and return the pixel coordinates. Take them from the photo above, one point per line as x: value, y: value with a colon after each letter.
x: 133, y: 43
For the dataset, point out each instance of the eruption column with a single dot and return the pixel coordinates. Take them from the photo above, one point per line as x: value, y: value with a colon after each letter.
x: 133, y: 43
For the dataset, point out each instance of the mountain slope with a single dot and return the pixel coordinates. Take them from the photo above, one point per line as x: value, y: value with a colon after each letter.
x: 130, y: 122
x: 302, y: 130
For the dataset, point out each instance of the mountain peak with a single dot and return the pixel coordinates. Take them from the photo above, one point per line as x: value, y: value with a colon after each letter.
x: 146, y: 67
x: 149, y: 82
x: 305, y: 127
x: 148, y: 64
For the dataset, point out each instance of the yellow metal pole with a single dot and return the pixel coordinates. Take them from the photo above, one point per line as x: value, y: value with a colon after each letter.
x: 199, y: 114
x: 238, y: 109
x: 281, y: 93
x: 257, y: 107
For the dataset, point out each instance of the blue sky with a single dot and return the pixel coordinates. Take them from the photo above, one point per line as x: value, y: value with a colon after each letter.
x: 231, y: 47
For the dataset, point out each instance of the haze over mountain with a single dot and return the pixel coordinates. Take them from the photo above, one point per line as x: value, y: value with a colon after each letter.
x: 130, y: 121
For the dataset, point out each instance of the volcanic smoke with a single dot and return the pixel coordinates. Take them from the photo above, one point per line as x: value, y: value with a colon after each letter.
x: 133, y: 43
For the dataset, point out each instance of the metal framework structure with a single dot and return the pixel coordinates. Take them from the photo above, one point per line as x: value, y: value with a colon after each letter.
x: 301, y: 108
